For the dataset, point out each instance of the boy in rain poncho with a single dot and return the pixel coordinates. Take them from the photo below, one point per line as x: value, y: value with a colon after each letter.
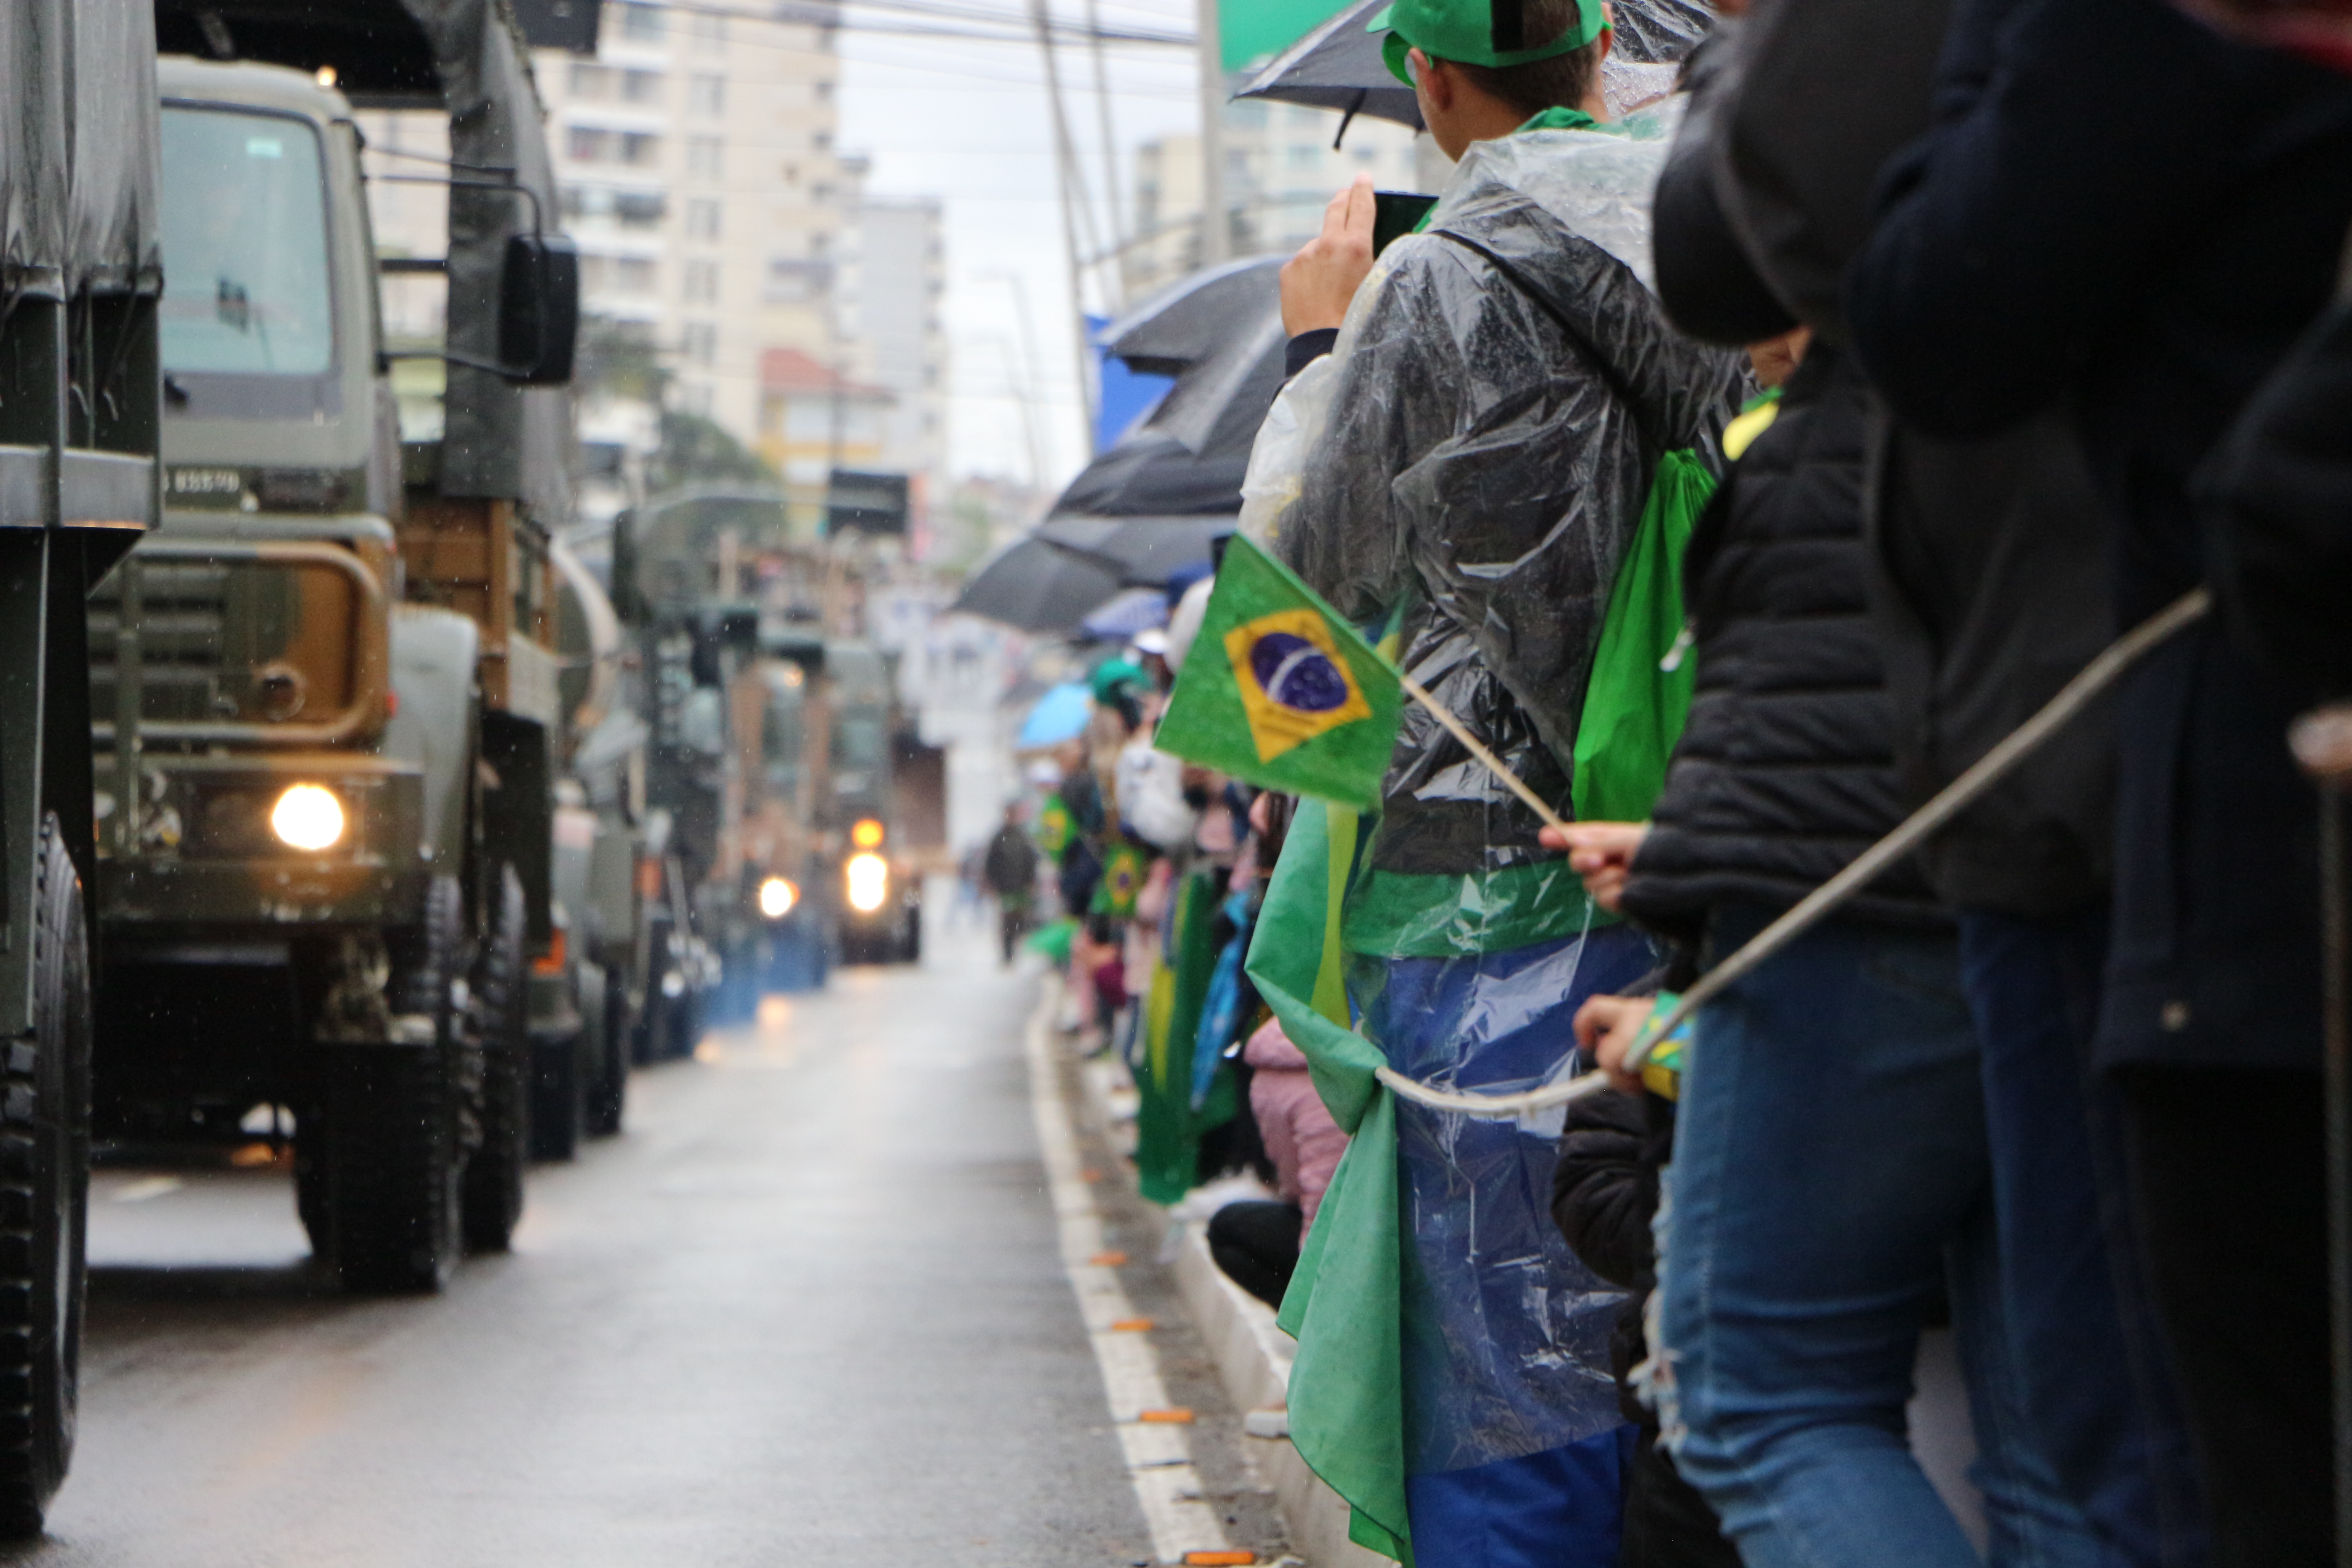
x: 1467, y: 467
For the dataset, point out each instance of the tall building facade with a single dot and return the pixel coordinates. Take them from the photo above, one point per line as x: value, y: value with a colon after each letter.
x: 701, y: 181
x: 1281, y: 169
x: 893, y: 288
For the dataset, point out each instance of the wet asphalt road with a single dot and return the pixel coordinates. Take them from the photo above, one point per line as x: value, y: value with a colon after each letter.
x: 807, y: 1310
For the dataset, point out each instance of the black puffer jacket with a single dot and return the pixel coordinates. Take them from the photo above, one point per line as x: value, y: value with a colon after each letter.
x: 1785, y: 772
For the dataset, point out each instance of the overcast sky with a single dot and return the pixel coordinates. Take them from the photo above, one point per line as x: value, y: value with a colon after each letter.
x: 967, y: 121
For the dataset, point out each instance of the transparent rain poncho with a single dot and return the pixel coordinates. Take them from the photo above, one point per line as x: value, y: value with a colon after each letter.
x: 1466, y: 470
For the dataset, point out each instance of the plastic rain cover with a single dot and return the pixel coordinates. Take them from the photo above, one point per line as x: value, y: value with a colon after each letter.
x: 1459, y: 459
x: 1462, y: 464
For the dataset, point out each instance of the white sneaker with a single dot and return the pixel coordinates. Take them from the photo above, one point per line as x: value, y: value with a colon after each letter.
x: 1274, y: 1421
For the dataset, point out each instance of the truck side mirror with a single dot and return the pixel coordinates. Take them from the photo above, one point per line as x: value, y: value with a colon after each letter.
x: 538, y: 309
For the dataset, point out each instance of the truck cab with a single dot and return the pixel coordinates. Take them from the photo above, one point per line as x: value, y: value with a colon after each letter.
x: 324, y: 694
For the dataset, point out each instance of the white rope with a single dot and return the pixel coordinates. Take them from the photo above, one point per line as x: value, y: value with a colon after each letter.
x: 1956, y: 797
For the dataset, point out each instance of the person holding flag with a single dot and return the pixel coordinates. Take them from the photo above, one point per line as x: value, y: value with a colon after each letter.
x: 1493, y: 466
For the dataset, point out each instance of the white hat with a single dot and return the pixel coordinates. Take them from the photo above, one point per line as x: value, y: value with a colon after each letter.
x: 1185, y: 623
x: 1151, y: 640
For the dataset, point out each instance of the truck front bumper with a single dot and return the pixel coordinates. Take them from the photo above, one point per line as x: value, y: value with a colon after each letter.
x: 205, y: 856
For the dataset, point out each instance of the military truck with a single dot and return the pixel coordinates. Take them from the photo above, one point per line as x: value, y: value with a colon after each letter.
x: 325, y: 691
x: 79, y: 417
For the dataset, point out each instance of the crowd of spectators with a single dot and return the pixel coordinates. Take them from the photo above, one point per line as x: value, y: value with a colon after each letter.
x: 1992, y: 328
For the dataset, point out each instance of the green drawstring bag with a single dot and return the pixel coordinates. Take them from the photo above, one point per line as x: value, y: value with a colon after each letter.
x: 1639, y: 692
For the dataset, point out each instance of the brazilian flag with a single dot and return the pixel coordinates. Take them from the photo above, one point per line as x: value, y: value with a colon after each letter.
x: 1122, y: 880
x: 1280, y: 692
x: 1055, y: 827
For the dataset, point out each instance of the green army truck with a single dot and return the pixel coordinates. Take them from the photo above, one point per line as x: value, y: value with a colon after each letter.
x: 324, y: 690
x: 80, y: 275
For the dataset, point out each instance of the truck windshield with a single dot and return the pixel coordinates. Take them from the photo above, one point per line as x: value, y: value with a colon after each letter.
x: 245, y: 245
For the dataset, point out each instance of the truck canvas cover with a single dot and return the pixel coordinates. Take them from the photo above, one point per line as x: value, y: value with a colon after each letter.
x: 78, y: 149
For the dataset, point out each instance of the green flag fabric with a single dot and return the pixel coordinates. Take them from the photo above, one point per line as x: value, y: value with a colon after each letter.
x: 1280, y: 692
x: 1168, y: 1129
x: 1345, y: 1301
x: 1639, y: 690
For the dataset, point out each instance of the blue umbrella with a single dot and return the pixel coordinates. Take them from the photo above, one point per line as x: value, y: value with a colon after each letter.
x: 1137, y: 610
x: 1060, y: 715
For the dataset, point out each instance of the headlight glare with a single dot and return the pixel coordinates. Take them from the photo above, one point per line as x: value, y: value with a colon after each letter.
x: 308, y: 817
x: 777, y: 897
x: 867, y: 881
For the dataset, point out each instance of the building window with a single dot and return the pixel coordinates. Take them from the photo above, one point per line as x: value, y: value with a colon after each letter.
x: 641, y: 87
x: 823, y: 92
x: 595, y: 273
x: 702, y: 219
x: 645, y: 23
x: 587, y: 144
x: 708, y: 31
x: 640, y: 148
x: 792, y: 281
x: 640, y: 209
x: 706, y: 94
x: 1306, y: 157
x: 591, y: 81
x: 694, y: 397
x: 701, y: 343
x: 820, y: 140
x: 701, y: 284
x: 632, y: 275
x: 703, y: 156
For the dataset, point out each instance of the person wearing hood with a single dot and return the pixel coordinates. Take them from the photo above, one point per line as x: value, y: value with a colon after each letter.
x: 1459, y: 461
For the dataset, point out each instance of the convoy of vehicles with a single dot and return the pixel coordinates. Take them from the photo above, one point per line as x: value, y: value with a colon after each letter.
x: 394, y: 845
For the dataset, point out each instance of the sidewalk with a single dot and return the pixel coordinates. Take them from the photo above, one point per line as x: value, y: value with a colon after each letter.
x: 1252, y: 1355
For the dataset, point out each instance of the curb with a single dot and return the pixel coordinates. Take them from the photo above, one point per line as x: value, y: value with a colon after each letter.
x: 1252, y: 1354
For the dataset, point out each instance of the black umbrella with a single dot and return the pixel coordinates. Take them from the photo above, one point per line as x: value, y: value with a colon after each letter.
x: 1339, y: 65
x: 1220, y: 334
x: 1145, y: 551
x: 1035, y: 586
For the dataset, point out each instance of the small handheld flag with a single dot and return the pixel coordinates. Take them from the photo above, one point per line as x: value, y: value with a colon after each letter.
x: 1280, y: 691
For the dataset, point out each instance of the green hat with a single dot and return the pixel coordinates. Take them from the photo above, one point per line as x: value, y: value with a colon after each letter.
x: 1473, y: 32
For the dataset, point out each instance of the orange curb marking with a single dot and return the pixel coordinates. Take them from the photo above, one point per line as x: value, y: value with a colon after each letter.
x: 1131, y: 1326
x: 1177, y: 1416
x: 1109, y: 1259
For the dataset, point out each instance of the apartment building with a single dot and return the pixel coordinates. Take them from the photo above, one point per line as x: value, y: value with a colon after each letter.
x: 701, y: 181
x: 1281, y: 169
x: 893, y: 284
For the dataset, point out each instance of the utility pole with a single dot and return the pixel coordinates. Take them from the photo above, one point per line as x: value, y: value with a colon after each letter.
x: 1114, y: 277
x: 1216, y: 234
x: 1072, y: 193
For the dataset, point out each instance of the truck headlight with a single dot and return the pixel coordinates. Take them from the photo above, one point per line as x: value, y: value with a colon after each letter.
x: 866, y: 879
x: 777, y: 897
x: 308, y: 817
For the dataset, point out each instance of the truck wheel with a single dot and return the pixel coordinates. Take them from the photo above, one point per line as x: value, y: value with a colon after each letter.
x: 493, y: 1190
x: 610, y: 1091
x: 559, y: 1095
x: 376, y: 1166
x: 44, y: 1200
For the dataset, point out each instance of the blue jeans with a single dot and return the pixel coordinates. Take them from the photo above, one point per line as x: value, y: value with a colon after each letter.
x: 1830, y: 1178
x: 2098, y: 1385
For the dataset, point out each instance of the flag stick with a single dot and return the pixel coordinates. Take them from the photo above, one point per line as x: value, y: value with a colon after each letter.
x: 1471, y: 743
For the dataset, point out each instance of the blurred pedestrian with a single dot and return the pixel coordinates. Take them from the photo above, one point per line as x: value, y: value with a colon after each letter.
x: 1010, y: 868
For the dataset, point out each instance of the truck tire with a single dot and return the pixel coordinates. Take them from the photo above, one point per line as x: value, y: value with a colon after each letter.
x: 608, y: 1093
x: 559, y: 1093
x: 494, y: 1177
x: 44, y: 1201
x: 376, y: 1166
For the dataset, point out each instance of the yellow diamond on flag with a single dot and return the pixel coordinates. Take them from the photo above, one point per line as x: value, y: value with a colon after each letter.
x: 1292, y: 683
